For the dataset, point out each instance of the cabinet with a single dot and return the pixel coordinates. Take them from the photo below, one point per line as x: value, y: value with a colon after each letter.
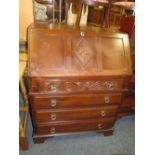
x: 128, y: 103
x: 49, y: 10
x: 76, y: 78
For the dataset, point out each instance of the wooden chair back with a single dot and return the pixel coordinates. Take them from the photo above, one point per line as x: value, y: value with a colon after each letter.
x: 82, y: 12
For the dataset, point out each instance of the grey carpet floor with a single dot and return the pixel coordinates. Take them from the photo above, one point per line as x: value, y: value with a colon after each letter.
x: 121, y: 143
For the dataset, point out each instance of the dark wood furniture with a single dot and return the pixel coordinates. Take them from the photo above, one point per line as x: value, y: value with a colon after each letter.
x: 127, y: 25
x: 121, y: 8
x: 104, y: 14
x: 52, y: 10
x: 77, y: 78
x: 57, y: 10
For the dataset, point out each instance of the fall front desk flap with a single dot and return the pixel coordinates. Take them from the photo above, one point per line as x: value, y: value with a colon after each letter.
x: 65, y: 51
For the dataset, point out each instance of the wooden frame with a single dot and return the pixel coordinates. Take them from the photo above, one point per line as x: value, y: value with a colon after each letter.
x: 25, y: 109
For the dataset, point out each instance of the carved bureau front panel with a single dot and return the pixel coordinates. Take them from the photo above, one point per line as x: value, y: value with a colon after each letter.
x: 83, y: 53
x: 80, y: 53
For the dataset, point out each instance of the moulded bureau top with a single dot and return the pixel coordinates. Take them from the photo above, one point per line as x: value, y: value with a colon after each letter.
x: 65, y: 51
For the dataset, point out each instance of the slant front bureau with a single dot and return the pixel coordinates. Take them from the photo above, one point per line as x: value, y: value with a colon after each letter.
x: 76, y: 79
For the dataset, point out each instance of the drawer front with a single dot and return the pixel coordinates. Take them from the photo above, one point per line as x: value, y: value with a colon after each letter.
x: 75, y: 114
x: 57, y: 86
x: 78, y: 126
x: 46, y: 102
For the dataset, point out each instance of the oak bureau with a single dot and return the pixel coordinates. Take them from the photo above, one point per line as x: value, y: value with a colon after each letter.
x: 76, y: 79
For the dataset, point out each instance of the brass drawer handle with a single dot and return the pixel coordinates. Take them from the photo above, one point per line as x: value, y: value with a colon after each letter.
x: 106, y: 99
x: 52, y: 130
x: 110, y: 85
x: 82, y: 34
x: 53, y: 88
x: 103, y: 113
x: 53, y: 102
x: 53, y: 116
x: 99, y: 126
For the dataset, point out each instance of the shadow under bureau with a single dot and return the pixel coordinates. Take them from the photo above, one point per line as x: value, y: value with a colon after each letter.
x: 76, y: 79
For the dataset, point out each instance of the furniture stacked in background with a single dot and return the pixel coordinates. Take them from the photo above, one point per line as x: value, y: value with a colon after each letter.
x: 120, y: 8
x: 49, y: 10
x: 58, y: 11
x: 128, y: 105
x: 124, y: 21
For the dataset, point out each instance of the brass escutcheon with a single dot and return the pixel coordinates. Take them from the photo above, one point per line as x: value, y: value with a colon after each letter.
x: 110, y: 85
x: 53, y: 88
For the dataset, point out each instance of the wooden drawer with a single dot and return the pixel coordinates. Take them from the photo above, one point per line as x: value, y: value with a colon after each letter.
x: 75, y: 114
x: 76, y: 126
x: 46, y: 101
x: 76, y: 86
